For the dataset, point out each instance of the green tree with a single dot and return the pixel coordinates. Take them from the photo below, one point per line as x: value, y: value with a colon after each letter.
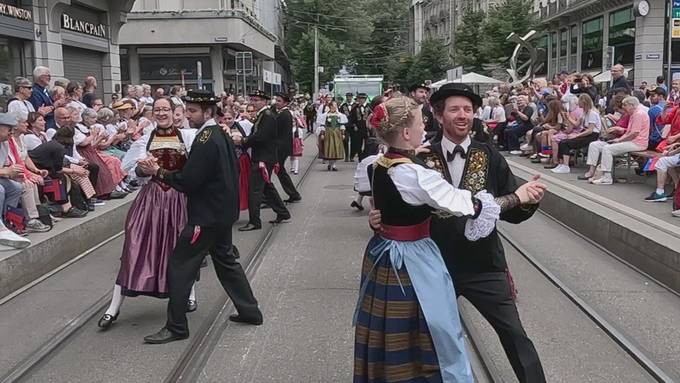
x: 303, y: 59
x: 431, y: 63
x: 468, y: 49
x: 503, y: 19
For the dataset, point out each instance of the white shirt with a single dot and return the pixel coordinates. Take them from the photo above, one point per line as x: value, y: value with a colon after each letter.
x: 457, y: 166
x: 20, y: 108
x: 246, y: 125
x: 32, y: 141
x: 210, y: 122
x: 418, y: 186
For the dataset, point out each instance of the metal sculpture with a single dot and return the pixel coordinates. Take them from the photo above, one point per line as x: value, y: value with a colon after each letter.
x: 525, y: 71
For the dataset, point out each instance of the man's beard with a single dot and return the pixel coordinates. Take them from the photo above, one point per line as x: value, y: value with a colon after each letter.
x: 196, y: 125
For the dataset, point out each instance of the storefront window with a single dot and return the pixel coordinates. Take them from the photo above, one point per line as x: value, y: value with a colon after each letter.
x: 173, y: 68
x: 564, y: 42
x: 622, y: 35
x: 574, y: 39
x: 553, y: 45
x: 591, y: 44
x: 10, y: 67
x: 542, y: 45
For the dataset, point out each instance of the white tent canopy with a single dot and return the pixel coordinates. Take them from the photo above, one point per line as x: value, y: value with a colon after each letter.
x: 471, y: 78
x: 606, y: 76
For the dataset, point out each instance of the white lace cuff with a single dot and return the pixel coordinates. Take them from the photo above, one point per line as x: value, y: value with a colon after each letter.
x: 485, y: 223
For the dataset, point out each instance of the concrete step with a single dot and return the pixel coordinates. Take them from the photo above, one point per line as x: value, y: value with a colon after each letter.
x: 614, y: 217
x: 68, y: 238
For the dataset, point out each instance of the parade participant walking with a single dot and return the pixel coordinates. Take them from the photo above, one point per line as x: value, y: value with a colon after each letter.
x: 357, y: 120
x: 284, y: 145
x: 420, y: 94
x: 156, y: 217
x: 310, y: 114
x: 345, y: 109
x: 210, y: 180
x: 479, y: 269
x: 431, y: 346
x: 332, y: 134
x: 234, y: 128
x: 262, y: 142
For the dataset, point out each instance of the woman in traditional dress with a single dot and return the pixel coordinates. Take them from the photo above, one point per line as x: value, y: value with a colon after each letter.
x: 105, y: 185
x: 228, y: 122
x: 96, y: 134
x: 150, y: 231
x: 407, y: 322
x: 332, y: 134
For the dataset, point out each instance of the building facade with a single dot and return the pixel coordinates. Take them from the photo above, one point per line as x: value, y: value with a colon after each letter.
x: 74, y: 39
x: 164, y: 41
x: 590, y: 35
x: 438, y: 19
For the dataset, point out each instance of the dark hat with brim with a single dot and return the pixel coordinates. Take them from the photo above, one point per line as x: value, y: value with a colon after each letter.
x: 284, y: 96
x: 362, y: 95
x: 415, y: 87
x: 349, y: 94
x: 200, y: 96
x: 260, y: 94
x: 456, y: 89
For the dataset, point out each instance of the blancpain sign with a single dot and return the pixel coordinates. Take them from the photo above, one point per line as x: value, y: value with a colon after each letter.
x: 68, y: 22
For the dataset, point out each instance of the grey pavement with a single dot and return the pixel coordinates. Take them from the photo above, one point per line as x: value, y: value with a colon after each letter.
x: 307, y: 285
x: 118, y: 354
x: 645, y: 312
x: 628, y: 194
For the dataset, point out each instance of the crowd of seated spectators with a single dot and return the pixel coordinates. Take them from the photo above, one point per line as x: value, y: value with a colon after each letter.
x: 551, y: 123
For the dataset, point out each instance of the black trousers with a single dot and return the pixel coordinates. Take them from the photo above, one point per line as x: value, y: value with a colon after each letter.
x: 357, y: 139
x: 259, y: 189
x: 566, y: 146
x: 490, y: 294
x: 94, y: 173
x: 345, y: 144
x: 286, y: 182
x: 184, y: 264
x: 310, y: 124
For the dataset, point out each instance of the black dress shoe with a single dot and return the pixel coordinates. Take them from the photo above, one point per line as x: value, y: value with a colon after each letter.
x: 249, y: 227
x: 356, y: 205
x: 293, y: 199
x: 256, y: 320
x: 107, y: 320
x: 192, y: 305
x: 163, y: 336
x: 280, y: 219
x: 265, y: 206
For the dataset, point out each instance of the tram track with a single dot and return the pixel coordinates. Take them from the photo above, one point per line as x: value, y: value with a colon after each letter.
x: 195, y: 354
x: 619, y: 338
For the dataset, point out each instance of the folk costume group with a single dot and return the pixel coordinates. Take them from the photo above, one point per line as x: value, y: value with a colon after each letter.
x: 185, y: 211
x: 436, y: 208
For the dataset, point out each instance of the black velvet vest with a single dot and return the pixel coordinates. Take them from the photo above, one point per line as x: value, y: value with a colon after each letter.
x: 394, y: 210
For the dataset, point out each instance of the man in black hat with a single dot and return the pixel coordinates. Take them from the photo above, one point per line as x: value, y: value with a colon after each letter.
x: 210, y: 181
x: 420, y: 94
x: 284, y: 130
x: 345, y: 109
x: 262, y: 140
x: 359, y: 130
x: 479, y: 269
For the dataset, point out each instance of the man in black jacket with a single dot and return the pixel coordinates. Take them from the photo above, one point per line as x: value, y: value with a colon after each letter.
x: 619, y: 83
x: 210, y: 181
x: 262, y: 141
x: 284, y: 145
x: 358, y: 130
x: 479, y: 269
x: 346, y: 109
